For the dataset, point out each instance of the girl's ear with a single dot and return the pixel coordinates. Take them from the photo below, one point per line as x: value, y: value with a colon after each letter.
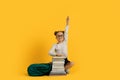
x: 55, y: 36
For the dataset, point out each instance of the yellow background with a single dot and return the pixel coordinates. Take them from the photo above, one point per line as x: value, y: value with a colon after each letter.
x: 26, y: 35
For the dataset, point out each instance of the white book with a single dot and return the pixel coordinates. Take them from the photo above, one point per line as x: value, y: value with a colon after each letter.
x: 57, y: 65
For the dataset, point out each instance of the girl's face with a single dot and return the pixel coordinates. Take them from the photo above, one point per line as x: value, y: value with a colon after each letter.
x: 60, y: 37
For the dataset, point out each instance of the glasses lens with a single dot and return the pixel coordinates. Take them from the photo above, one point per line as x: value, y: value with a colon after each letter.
x: 59, y: 35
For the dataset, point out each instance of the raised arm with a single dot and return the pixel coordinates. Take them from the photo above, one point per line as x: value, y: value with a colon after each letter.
x: 66, y: 29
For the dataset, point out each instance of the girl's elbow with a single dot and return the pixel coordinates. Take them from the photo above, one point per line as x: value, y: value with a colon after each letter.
x: 51, y: 54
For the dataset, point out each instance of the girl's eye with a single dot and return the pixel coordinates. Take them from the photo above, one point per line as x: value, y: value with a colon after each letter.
x: 59, y: 35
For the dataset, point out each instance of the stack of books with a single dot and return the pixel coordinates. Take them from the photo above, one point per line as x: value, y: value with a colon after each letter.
x: 58, y: 66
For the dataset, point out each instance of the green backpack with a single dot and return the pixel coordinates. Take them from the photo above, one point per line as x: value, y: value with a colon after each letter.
x: 39, y: 69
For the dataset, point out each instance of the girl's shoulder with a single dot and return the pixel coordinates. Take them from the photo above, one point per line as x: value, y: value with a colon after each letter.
x: 54, y: 44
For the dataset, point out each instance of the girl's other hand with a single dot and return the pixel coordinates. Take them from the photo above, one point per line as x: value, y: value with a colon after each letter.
x: 58, y: 54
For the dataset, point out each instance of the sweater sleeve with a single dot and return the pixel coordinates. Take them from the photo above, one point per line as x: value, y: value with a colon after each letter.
x: 66, y: 34
x: 52, y: 51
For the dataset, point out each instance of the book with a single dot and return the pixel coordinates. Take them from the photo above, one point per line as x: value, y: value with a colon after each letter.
x: 58, y: 66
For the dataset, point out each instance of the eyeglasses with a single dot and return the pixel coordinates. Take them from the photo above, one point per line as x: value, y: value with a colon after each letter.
x: 59, y: 35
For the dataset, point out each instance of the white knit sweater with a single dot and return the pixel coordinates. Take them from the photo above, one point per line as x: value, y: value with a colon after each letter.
x: 61, y: 47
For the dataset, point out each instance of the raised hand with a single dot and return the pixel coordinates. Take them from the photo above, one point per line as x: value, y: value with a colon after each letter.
x: 67, y: 20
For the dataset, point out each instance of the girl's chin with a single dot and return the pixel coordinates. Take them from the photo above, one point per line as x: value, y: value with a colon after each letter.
x: 60, y: 41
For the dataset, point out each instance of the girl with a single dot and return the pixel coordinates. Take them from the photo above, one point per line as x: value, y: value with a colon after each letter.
x: 60, y: 48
